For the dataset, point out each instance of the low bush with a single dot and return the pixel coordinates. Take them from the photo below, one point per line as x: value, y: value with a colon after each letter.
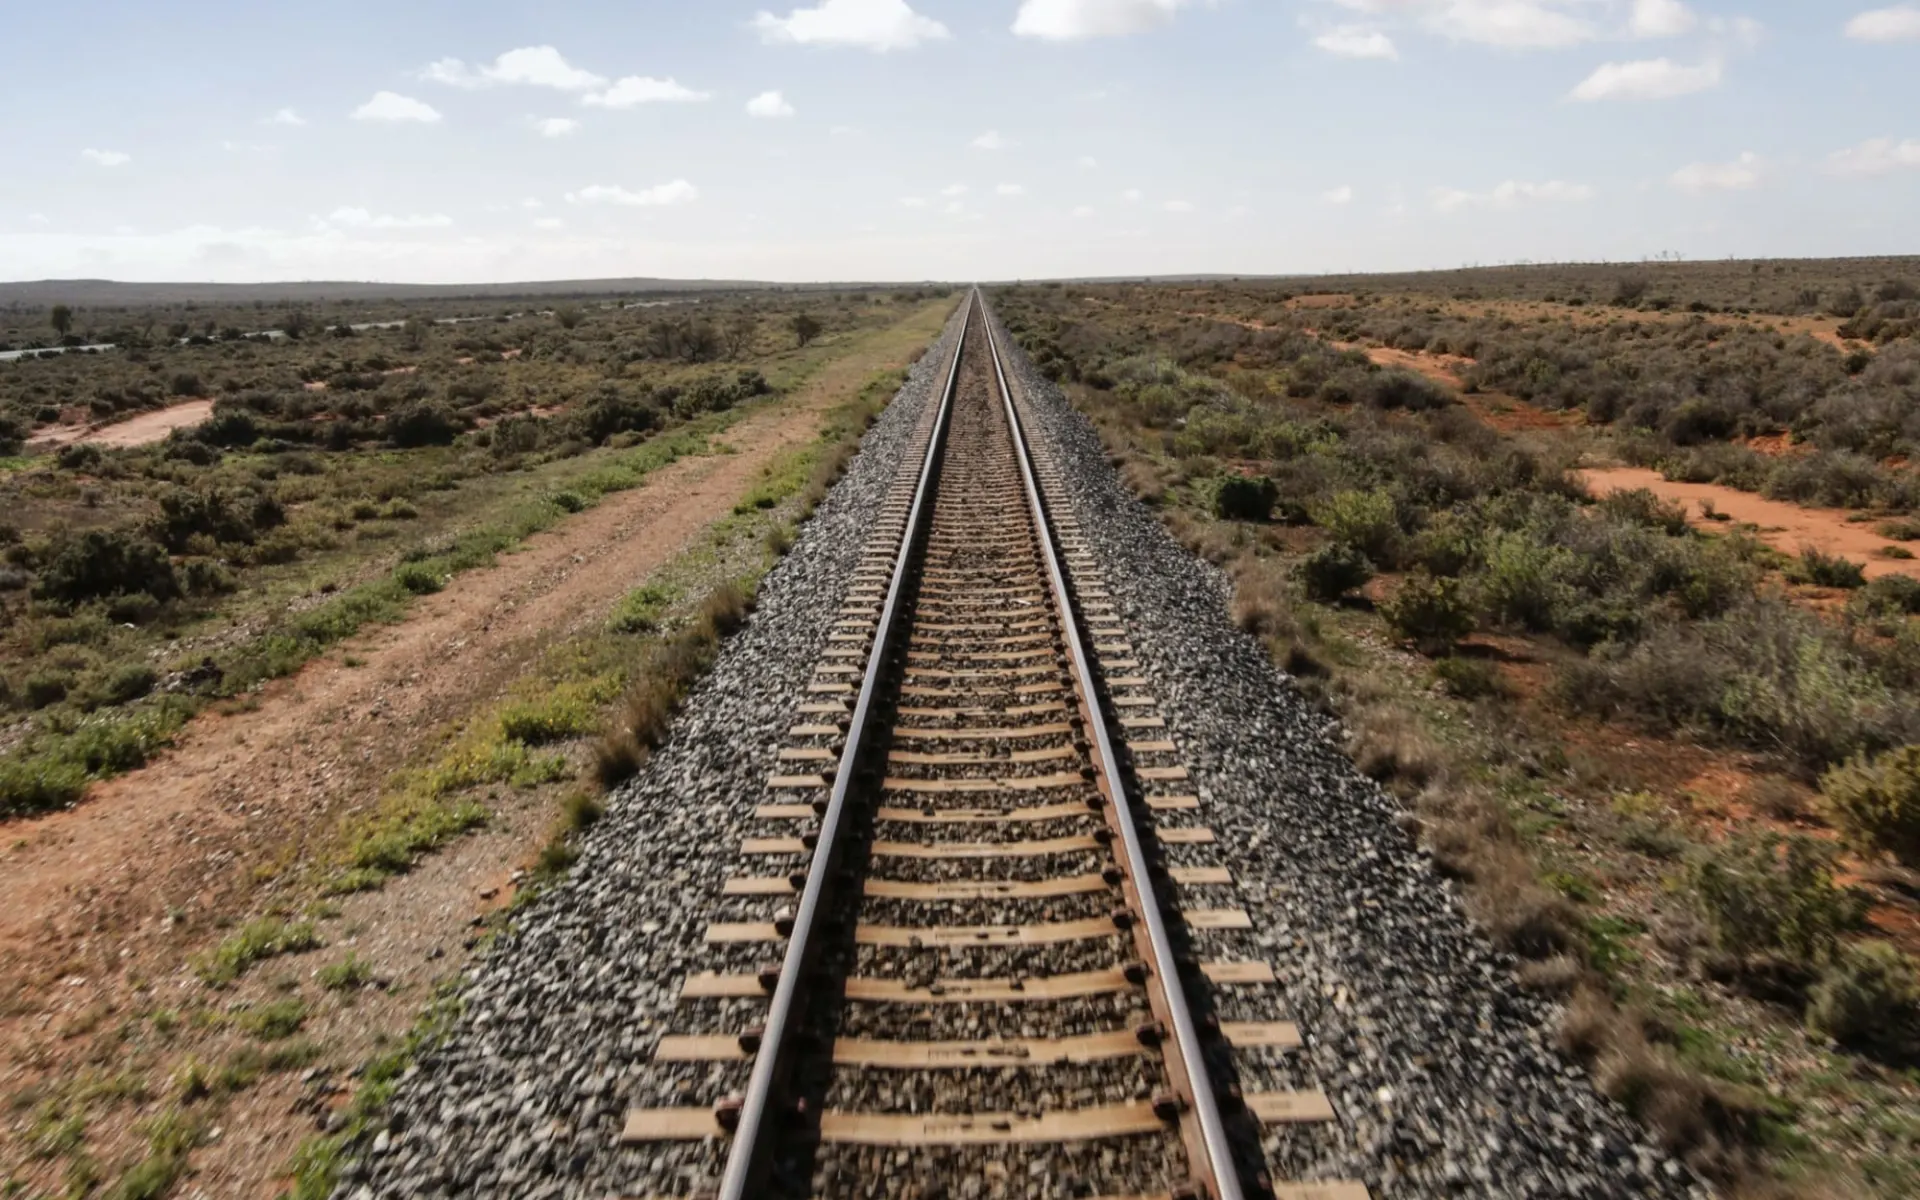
x: 122, y: 685
x: 1642, y: 506
x: 641, y: 610
x: 419, y: 578
x: 1775, y: 896
x: 1869, y: 998
x: 1365, y: 521
x: 101, y: 563
x: 1826, y: 570
x: 422, y: 424
x: 1431, y: 612
x: 1469, y: 678
x: 1238, y: 498
x: 1875, y: 803
x: 1334, y: 570
x: 256, y: 941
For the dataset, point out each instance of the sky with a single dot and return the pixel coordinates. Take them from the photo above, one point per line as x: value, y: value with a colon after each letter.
x: 499, y: 140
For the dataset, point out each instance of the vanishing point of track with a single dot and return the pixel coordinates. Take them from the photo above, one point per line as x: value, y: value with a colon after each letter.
x: 985, y: 864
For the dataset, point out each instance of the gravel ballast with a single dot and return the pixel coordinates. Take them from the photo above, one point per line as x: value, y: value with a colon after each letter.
x: 1440, y: 1068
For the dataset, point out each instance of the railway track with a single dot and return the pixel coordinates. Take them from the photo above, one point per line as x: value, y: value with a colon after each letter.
x: 972, y: 948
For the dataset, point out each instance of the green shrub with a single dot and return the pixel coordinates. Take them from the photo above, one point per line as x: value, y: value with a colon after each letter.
x: 1429, y: 611
x: 101, y: 563
x: 1469, y: 678
x: 1876, y: 803
x: 422, y: 424
x: 1892, y: 595
x: 46, y: 688
x: 1774, y: 895
x: 348, y: 975
x: 1869, y: 998
x: 256, y: 941
x: 124, y: 684
x: 1334, y: 570
x: 640, y: 610
x: 418, y: 578
x: 207, y: 577
x: 1642, y: 507
x: 187, y: 513
x: 1364, y: 520
x: 1239, y: 498
x: 1525, y: 580
x: 1826, y: 570
x: 276, y: 1020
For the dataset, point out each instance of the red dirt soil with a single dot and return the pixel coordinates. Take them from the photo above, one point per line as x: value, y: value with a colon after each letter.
x: 1786, y: 527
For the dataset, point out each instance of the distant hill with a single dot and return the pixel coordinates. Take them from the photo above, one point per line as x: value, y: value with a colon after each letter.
x: 93, y: 293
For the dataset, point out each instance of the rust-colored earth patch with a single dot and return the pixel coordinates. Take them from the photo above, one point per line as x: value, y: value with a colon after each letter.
x: 1786, y: 527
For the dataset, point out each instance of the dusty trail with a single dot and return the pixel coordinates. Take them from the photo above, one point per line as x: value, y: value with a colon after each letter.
x: 1786, y: 527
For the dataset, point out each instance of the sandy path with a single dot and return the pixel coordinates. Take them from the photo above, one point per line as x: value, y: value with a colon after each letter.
x: 1786, y: 527
x: 134, y: 431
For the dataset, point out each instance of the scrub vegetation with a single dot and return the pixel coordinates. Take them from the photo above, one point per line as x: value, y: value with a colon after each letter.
x: 343, y: 472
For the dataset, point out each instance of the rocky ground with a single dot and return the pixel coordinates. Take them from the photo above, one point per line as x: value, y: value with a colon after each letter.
x: 1438, y: 1067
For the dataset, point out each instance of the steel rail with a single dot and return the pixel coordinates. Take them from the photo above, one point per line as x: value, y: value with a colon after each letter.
x: 1218, y: 1170
x: 744, y: 1158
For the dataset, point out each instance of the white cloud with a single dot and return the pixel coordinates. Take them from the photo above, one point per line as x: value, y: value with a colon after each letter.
x: 360, y: 218
x: 769, y: 104
x: 1131, y: 195
x: 107, y: 158
x: 1178, y: 206
x: 990, y: 140
x: 1340, y: 195
x: 1088, y: 162
x: 1876, y: 156
x: 549, y: 223
x: 1010, y: 189
x: 1648, y: 79
x: 284, y: 116
x: 677, y: 192
x: 1357, y: 41
x: 1900, y: 23
x: 1511, y: 194
x: 913, y: 201
x: 531, y: 66
x: 1661, y: 19
x: 643, y: 89
x: 39, y: 218
x: 1742, y: 173
x: 532, y: 202
x: 555, y: 127
x: 1071, y: 20
x: 878, y: 25
x: 391, y: 106
x: 954, y: 189
x: 1513, y: 24
x: 1083, y: 212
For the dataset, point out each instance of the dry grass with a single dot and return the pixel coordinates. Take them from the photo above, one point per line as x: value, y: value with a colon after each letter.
x: 1707, y: 1123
